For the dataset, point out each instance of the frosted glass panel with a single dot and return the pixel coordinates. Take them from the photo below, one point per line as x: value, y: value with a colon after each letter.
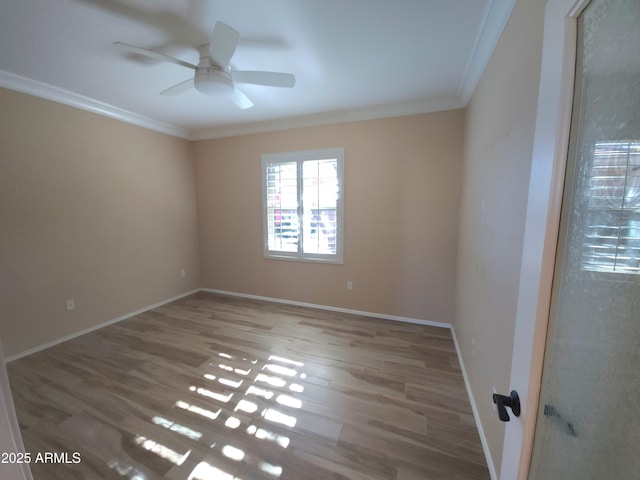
x: 589, y: 413
x: 612, y: 235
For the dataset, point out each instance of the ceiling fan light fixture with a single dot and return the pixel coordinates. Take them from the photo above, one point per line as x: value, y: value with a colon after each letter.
x: 213, y: 82
x: 213, y: 75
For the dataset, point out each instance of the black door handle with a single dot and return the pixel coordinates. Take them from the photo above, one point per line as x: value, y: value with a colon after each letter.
x: 551, y: 412
x: 502, y: 401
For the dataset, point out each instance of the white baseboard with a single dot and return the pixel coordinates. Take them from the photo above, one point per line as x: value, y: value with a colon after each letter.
x: 222, y: 292
x: 97, y: 327
x: 327, y: 307
x: 474, y: 408
x: 418, y: 321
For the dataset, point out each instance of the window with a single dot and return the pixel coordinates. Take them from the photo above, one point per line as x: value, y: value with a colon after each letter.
x: 302, y: 204
x: 612, y: 234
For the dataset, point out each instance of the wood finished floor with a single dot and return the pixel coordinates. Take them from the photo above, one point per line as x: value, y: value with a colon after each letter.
x: 221, y: 388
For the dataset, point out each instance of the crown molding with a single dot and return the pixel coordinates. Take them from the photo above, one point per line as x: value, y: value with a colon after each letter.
x: 326, y: 118
x: 26, y: 85
x: 18, y: 83
x: 494, y: 20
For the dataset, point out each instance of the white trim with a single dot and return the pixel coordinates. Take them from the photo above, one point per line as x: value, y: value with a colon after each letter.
x: 222, y: 292
x: 99, y: 326
x: 10, y: 436
x: 43, y: 90
x: 474, y: 408
x: 376, y: 112
x: 495, y: 19
x: 299, y: 158
x: 26, y: 85
x: 330, y: 308
x: 396, y: 318
x: 542, y: 221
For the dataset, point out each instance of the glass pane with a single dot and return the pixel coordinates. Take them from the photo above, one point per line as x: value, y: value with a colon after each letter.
x: 320, y: 203
x: 589, y: 414
x: 282, y: 207
x: 613, y: 211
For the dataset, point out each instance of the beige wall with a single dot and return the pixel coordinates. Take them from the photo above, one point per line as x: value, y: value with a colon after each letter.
x: 499, y: 129
x: 108, y: 214
x: 402, y: 185
x: 105, y: 213
x: 92, y: 209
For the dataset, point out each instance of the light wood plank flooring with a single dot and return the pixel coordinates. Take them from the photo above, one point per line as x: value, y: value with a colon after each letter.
x: 216, y: 387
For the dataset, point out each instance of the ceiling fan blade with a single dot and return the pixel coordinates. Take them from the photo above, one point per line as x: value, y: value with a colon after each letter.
x: 241, y: 100
x: 156, y: 55
x: 269, y: 79
x: 222, y: 45
x: 178, y: 88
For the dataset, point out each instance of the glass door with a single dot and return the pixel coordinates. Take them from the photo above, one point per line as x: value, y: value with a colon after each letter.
x: 589, y: 414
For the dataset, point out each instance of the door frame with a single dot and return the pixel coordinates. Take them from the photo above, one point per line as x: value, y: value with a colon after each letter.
x: 551, y: 141
x: 10, y: 436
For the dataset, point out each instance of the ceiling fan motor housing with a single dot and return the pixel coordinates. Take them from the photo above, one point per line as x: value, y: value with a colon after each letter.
x: 213, y: 75
x: 213, y: 81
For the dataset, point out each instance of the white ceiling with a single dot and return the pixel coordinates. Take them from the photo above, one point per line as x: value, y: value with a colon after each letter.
x: 353, y: 59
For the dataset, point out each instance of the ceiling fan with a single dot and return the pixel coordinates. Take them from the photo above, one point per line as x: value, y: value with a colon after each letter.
x: 213, y: 76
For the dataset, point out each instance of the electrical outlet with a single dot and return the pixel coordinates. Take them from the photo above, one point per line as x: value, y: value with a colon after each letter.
x: 71, y: 304
x: 183, y: 273
x: 349, y: 285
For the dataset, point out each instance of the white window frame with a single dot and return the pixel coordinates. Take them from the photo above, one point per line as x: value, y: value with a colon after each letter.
x: 300, y: 157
